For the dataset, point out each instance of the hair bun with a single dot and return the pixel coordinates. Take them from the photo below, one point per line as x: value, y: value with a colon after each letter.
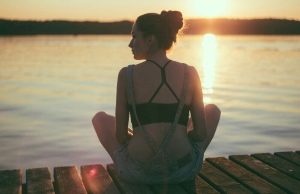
x: 174, y: 19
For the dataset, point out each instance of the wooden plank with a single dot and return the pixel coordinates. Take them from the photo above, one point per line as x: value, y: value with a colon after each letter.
x: 126, y: 187
x: 39, y: 181
x: 289, y: 156
x: 280, y: 164
x: 96, y: 180
x: 221, y: 181
x: 198, y: 186
x: 11, y: 181
x: 67, y: 180
x: 270, y: 174
x: 244, y: 177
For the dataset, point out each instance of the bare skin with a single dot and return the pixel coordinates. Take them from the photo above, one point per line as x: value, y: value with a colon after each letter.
x: 113, y: 131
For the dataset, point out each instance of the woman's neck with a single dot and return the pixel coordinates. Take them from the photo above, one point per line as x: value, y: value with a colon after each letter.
x: 159, y: 57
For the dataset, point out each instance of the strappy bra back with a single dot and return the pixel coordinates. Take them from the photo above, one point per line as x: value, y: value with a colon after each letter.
x: 160, y: 163
x: 151, y: 112
x: 164, y: 81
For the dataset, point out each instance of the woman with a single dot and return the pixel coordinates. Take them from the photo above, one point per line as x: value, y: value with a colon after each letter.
x: 165, y: 146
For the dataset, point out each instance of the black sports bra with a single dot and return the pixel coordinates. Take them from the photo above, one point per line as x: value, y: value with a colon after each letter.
x: 150, y: 112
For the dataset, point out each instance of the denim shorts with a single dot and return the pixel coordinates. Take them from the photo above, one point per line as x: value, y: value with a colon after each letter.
x: 131, y: 170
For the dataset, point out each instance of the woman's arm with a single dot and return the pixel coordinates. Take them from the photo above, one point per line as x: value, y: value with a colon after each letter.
x: 122, y: 113
x: 199, y: 131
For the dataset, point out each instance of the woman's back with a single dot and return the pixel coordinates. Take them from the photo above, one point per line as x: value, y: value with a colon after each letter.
x: 160, y: 86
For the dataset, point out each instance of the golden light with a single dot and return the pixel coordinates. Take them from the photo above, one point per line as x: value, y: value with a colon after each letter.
x: 209, y: 57
x: 208, y: 8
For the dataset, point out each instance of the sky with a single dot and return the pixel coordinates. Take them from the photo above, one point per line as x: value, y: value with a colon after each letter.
x: 116, y: 10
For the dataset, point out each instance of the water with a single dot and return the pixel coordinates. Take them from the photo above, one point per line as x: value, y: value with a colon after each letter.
x: 51, y: 86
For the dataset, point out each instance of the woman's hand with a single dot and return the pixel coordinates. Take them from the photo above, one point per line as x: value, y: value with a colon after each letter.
x: 190, y: 125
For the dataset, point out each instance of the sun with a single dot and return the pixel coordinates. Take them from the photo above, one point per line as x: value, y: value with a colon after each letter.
x: 208, y: 8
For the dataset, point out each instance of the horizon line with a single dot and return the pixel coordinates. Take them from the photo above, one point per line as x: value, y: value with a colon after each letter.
x: 120, y: 20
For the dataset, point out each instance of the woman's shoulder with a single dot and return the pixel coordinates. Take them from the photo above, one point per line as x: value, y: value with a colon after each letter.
x: 192, y: 70
x: 193, y: 74
x: 124, y: 70
x: 182, y: 63
x: 122, y: 73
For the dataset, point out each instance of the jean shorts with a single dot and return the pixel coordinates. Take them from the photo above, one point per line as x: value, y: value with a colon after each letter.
x: 131, y: 170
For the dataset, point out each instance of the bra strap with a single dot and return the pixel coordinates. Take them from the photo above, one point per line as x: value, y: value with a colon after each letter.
x: 164, y: 80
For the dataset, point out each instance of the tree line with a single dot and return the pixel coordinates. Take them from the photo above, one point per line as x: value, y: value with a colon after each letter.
x: 194, y: 26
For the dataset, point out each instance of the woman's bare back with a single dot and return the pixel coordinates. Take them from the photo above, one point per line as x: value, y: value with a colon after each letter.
x: 147, y: 78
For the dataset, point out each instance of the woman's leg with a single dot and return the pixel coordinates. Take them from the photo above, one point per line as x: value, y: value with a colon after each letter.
x: 212, y: 114
x: 105, y: 127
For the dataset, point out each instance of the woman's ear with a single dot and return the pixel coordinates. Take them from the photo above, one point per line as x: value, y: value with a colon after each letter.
x: 151, y: 39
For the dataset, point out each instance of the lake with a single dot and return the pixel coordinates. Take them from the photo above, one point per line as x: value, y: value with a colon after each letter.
x: 51, y: 86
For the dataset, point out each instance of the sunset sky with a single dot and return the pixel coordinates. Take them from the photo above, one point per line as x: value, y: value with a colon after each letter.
x: 112, y: 10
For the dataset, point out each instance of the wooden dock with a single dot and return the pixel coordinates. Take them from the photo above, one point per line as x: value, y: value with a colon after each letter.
x: 255, y: 173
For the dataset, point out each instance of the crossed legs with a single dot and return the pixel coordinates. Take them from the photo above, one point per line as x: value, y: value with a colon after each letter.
x: 105, y: 127
x: 212, y: 116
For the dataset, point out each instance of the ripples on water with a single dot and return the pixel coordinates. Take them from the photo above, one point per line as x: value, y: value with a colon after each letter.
x: 51, y: 86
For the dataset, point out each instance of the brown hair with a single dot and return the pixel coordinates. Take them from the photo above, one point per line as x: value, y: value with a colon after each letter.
x: 164, y: 27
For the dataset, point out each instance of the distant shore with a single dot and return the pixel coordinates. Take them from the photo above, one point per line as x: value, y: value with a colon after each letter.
x: 194, y: 26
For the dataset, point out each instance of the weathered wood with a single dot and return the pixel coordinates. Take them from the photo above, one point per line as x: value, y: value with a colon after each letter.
x: 270, y: 174
x: 289, y: 156
x: 198, y: 186
x: 221, y: 181
x: 257, y: 173
x: 280, y: 164
x: 11, y: 181
x: 244, y: 177
x: 67, y: 180
x: 39, y: 181
x: 125, y: 187
x: 96, y: 180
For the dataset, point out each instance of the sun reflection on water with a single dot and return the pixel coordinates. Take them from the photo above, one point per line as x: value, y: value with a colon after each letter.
x: 209, y: 57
